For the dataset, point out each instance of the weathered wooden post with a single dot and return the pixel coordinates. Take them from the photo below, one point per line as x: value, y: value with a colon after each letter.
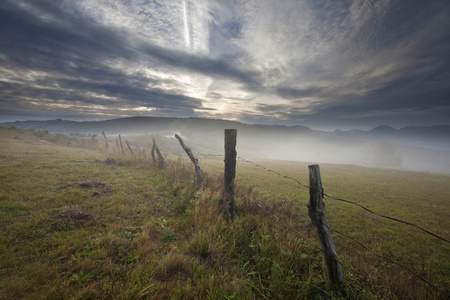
x: 121, y: 145
x: 106, y: 141
x: 228, y: 204
x: 117, y: 144
x: 316, y: 211
x: 129, y: 148
x: 193, y: 159
x: 153, y: 151
x: 162, y: 163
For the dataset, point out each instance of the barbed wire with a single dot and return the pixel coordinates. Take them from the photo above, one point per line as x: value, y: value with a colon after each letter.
x: 282, y: 223
x: 348, y: 201
x: 388, y: 259
x: 346, y: 235
x: 282, y: 199
x: 273, y: 171
x: 387, y: 217
x: 210, y: 155
x: 315, y: 246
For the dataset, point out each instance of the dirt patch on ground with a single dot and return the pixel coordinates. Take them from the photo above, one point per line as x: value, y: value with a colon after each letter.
x: 68, y: 218
x: 87, y: 185
x: 91, y: 184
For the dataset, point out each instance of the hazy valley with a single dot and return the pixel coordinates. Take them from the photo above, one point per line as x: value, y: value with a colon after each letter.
x: 424, y: 149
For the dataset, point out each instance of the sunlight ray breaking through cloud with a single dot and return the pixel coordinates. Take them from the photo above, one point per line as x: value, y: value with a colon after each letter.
x: 341, y: 64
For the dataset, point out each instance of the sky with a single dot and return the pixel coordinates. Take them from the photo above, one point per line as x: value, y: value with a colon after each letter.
x: 318, y: 63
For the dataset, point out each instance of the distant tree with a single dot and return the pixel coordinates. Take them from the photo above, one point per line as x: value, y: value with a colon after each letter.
x: 387, y: 156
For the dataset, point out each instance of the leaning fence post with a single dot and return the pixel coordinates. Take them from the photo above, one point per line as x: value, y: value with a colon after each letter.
x: 153, y: 151
x: 162, y: 163
x: 193, y: 159
x: 121, y: 145
x: 228, y: 204
x: 316, y: 211
x: 129, y: 148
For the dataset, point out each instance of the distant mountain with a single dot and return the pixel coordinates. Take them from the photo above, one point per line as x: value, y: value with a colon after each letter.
x: 148, y: 125
x: 418, y: 147
x: 436, y: 137
x: 382, y: 130
x: 200, y: 126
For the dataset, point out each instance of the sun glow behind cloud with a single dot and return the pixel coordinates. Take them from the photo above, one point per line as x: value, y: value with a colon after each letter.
x: 296, y: 61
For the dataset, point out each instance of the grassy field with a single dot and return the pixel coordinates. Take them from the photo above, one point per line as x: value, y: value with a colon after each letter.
x: 80, y: 222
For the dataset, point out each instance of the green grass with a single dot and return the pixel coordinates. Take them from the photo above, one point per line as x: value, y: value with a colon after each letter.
x: 77, y: 221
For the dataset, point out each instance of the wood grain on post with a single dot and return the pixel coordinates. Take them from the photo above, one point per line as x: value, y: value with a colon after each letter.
x: 316, y: 211
x: 193, y: 159
x: 228, y: 203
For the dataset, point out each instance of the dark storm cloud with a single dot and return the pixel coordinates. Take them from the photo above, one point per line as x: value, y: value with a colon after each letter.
x: 211, y: 67
x: 293, y: 93
x: 74, y: 51
x: 83, y: 41
x: 334, y: 61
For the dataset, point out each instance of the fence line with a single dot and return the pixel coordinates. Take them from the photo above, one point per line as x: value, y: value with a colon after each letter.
x: 351, y: 202
x: 278, y: 173
x: 387, y: 217
x: 338, y: 232
x: 278, y: 219
x: 353, y: 239
x: 390, y: 260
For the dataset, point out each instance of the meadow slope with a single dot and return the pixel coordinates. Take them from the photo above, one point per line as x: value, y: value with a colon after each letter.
x: 79, y: 221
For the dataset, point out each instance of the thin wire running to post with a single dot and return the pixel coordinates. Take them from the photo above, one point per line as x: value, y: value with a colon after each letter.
x: 387, y: 217
x: 315, y: 246
x: 284, y: 200
x: 391, y: 261
x: 210, y: 156
x: 348, y: 201
x: 275, y: 172
x: 284, y: 224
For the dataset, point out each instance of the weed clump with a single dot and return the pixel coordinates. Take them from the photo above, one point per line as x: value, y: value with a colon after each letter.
x: 111, y: 162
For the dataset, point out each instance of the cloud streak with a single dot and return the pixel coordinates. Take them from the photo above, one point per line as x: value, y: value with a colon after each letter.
x: 321, y: 64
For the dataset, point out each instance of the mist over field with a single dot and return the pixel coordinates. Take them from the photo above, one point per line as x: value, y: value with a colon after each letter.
x: 421, y: 148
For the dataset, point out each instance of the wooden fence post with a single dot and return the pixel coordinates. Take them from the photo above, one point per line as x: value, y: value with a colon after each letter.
x: 121, y: 145
x: 162, y: 163
x: 228, y: 204
x: 153, y: 151
x: 316, y: 211
x: 193, y: 159
x: 106, y: 141
x: 129, y: 148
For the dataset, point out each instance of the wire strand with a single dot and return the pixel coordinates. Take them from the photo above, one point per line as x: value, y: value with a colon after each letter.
x: 273, y: 171
x: 284, y: 200
x: 316, y: 247
x: 387, y: 217
x: 351, y: 202
x: 389, y: 260
x: 338, y: 232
